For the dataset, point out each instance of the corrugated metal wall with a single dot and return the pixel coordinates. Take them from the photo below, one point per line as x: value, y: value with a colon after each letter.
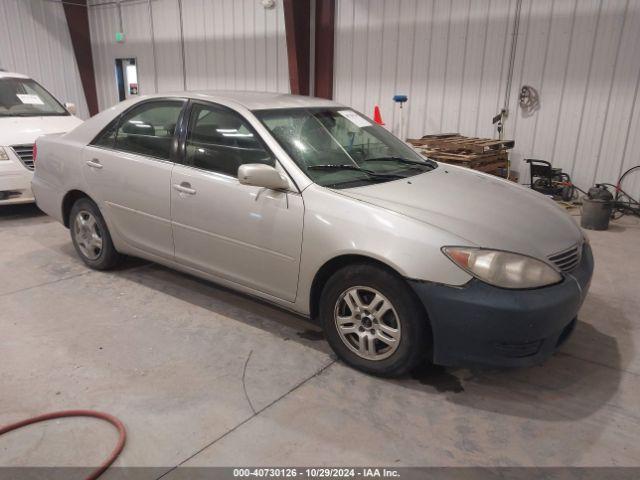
x: 34, y: 40
x: 228, y: 44
x: 103, y: 24
x: 451, y: 58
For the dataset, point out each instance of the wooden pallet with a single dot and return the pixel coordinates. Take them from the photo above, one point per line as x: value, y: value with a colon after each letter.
x: 474, y: 159
x: 482, y: 154
x: 454, y: 142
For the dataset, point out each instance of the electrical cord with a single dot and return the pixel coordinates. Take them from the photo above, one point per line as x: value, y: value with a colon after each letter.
x: 122, y: 433
x: 620, y: 191
x: 621, y: 179
x: 621, y: 207
x: 636, y: 167
x: 529, y: 100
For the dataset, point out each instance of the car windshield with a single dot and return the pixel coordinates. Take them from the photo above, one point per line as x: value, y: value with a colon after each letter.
x: 23, y: 97
x: 339, y: 148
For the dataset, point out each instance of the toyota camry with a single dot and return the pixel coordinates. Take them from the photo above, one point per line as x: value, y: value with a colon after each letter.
x: 308, y: 204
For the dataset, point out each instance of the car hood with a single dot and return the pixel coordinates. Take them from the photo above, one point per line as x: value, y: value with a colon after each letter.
x: 486, y: 211
x: 23, y: 130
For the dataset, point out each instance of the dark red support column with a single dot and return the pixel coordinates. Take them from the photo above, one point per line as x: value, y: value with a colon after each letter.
x: 325, y: 21
x: 78, y: 22
x: 297, y: 21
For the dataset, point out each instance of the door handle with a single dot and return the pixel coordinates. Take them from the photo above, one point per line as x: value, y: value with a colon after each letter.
x: 184, y: 187
x: 95, y: 163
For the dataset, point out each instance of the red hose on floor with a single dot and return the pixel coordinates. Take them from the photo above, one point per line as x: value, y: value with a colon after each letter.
x: 79, y: 413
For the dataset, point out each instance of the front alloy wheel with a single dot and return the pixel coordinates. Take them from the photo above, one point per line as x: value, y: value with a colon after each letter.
x: 373, y: 320
x: 367, y: 323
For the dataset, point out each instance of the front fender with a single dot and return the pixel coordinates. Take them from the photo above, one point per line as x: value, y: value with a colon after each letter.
x: 336, y: 225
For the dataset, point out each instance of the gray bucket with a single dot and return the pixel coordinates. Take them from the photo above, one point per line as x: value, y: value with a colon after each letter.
x: 595, y: 214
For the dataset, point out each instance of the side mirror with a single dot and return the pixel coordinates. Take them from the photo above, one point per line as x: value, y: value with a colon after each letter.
x: 71, y: 108
x: 261, y: 175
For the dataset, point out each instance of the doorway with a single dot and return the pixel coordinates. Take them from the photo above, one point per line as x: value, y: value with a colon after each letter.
x: 127, y: 78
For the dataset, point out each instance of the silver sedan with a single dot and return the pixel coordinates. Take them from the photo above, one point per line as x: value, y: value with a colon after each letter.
x: 310, y: 205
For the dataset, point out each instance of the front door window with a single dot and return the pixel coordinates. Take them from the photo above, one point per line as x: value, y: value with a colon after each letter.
x: 220, y: 140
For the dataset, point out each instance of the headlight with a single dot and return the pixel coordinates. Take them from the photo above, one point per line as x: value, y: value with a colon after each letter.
x: 503, y: 269
x: 3, y: 154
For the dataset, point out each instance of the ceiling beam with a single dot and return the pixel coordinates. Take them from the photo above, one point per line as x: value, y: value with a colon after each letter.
x: 324, y: 46
x: 76, y: 13
x: 297, y: 21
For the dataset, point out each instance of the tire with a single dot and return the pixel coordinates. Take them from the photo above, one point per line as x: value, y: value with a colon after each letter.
x: 91, y: 239
x: 406, y: 320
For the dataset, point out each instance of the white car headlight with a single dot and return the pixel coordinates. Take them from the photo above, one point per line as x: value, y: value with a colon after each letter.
x: 503, y: 269
x: 3, y: 154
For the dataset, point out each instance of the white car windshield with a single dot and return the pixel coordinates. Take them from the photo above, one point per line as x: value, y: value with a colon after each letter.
x: 23, y: 97
x: 339, y: 148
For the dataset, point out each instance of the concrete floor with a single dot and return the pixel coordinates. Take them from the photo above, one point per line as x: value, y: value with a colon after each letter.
x: 202, y: 376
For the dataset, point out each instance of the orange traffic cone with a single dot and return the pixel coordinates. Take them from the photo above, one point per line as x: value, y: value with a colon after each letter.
x: 377, y: 117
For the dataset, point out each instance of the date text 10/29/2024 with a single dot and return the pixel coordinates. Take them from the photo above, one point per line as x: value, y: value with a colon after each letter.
x: 320, y: 472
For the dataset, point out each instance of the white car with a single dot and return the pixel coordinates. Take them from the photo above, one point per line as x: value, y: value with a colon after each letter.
x: 308, y: 204
x: 27, y: 111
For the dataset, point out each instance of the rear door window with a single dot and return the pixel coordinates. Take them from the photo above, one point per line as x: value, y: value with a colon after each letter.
x: 107, y: 137
x: 149, y: 129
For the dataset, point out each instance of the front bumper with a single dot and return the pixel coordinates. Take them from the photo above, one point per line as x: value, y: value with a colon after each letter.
x: 16, y: 188
x: 482, y: 324
x: 15, y: 181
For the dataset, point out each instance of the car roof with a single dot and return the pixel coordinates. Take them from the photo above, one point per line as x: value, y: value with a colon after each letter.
x: 4, y: 74
x: 254, y: 100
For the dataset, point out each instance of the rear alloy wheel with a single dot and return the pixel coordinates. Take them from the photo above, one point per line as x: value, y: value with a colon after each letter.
x: 373, y: 320
x: 91, y: 237
x: 88, y: 234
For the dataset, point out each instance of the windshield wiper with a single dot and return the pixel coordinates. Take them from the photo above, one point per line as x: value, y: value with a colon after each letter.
x: 39, y: 114
x: 353, y: 167
x: 400, y: 160
x: 22, y: 114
